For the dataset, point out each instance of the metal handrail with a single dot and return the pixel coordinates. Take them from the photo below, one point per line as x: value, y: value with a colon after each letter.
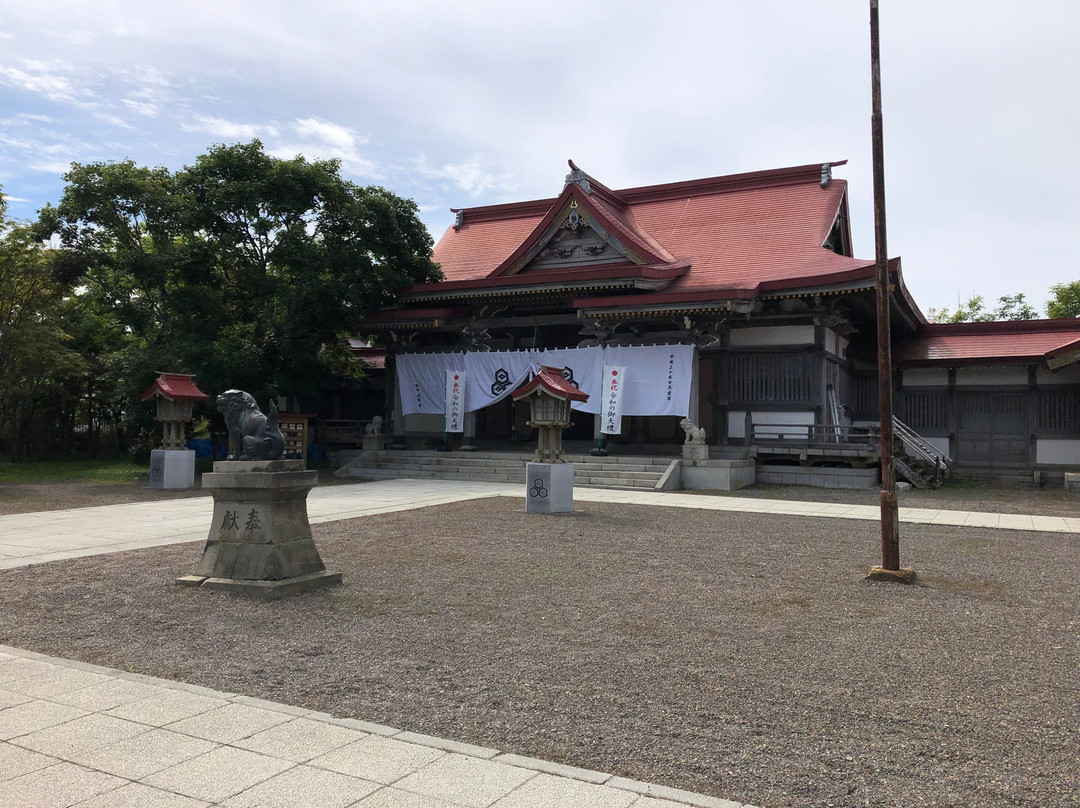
x: 847, y: 433
x: 922, y: 449
x: 815, y: 434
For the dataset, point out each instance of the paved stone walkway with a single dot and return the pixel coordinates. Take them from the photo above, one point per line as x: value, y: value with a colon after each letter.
x: 73, y: 734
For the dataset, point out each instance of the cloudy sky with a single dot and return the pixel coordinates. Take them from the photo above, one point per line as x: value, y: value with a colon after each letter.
x: 465, y: 103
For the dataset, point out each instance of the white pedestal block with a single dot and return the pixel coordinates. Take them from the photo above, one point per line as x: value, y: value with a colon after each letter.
x: 694, y: 452
x: 172, y: 468
x: 549, y: 487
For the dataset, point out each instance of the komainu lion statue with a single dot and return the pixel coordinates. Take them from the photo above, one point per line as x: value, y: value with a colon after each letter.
x: 254, y: 435
x: 694, y: 433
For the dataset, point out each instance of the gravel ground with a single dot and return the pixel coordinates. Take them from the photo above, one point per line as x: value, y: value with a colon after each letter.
x: 739, y: 655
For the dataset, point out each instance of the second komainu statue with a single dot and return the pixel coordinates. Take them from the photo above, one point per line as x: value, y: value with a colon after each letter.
x: 252, y: 435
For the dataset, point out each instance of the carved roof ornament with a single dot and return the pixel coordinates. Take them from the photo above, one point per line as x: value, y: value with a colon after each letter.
x: 574, y: 220
x: 578, y: 176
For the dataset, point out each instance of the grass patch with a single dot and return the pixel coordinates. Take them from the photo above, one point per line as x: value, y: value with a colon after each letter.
x: 115, y: 471
x: 966, y: 586
x: 785, y: 603
x: 972, y: 546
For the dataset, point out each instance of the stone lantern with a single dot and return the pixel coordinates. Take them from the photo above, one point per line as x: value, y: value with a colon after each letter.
x: 549, y: 480
x: 173, y: 465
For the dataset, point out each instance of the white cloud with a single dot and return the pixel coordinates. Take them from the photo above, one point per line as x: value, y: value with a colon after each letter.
x: 115, y: 120
x: 320, y: 139
x: 43, y: 78
x: 338, y: 137
x: 147, y: 108
x: 51, y: 167
x: 467, y: 177
x: 81, y: 38
x: 25, y: 119
x: 228, y: 130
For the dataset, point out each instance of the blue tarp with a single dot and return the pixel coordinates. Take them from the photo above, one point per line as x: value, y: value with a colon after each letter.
x: 201, y: 447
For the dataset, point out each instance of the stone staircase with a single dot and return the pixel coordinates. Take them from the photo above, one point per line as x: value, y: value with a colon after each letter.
x: 623, y: 471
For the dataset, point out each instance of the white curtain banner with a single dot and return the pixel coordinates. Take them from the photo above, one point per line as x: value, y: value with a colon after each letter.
x: 455, y: 401
x: 583, y: 368
x: 658, y: 378
x: 422, y: 380
x: 611, y: 411
x: 493, y: 375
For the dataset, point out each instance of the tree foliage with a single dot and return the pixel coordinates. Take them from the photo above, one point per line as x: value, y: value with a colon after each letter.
x: 41, y: 367
x: 244, y: 268
x: 1009, y: 307
x: 1065, y: 301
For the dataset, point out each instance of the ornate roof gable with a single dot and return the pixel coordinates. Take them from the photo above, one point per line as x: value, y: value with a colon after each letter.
x: 588, y: 225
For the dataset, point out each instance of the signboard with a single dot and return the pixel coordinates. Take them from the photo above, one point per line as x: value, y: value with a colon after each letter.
x: 611, y: 405
x: 455, y: 401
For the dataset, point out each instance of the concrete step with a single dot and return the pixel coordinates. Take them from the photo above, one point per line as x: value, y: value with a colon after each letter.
x: 630, y: 478
x: 593, y: 468
x: 599, y: 474
x: 523, y: 457
x: 627, y: 472
x: 591, y: 475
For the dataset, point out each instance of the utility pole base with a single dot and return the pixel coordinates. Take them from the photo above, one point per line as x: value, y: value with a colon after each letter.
x: 900, y: 576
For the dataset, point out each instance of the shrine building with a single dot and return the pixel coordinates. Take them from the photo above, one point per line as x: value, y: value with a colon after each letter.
x: 736, y: 302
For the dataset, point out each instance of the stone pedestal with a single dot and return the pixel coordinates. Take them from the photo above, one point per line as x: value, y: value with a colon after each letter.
x: 172, y: 468
x: 549, y: 487
x: 374, y: 443
x: 260, y: 540
x: 695, y: 453
x: 903, y: 575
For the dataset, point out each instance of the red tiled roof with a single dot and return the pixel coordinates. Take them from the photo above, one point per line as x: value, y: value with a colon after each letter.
x: 175, y: 386
x: 737, y: 232
x: 551, y: 380
x: 1011, y: 341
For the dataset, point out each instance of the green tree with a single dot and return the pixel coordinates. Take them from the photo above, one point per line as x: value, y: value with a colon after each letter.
x: 1014, y: 307
x: 40, y: 364
x: 1009, y: 307
x: 973, y: 311
x: 247, y: 269
x: 1065, y: 301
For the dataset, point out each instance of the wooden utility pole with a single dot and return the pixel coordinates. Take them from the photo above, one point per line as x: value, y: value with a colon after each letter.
x: 890, y: 518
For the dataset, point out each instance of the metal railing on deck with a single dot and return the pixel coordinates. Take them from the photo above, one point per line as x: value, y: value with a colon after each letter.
x: 816, y: 435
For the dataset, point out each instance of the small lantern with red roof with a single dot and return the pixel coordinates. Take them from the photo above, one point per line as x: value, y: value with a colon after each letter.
x: 549, y: 395
x: 176, y: 395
